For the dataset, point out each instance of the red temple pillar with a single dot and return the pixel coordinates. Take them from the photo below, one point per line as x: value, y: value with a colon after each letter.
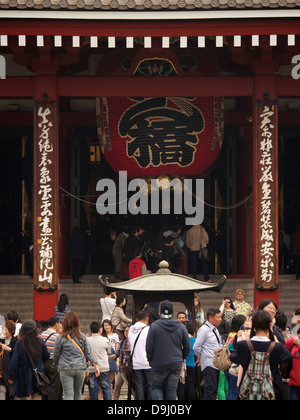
x: 45, y: 197
x: 265, y: 188
x: 244, y: 248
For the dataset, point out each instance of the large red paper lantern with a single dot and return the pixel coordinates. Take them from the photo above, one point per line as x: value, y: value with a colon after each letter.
x: 162, y: 135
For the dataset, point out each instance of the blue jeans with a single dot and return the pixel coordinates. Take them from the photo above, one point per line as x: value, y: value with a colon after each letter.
x: 233, y: 391
x: 143, y: 384
x: 167, y: 380
x: 72, y: 383
x: 95, y: 384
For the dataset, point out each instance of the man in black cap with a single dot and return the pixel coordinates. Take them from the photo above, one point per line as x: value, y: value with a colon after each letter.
x: 167, y: 346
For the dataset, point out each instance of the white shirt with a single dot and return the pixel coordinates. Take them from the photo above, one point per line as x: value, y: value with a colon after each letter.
x: 113, y: 340
x: 100, y: 347
x: 18, y: 327
x: 107, y: 305
x: 260, y: 338
x: 140, y: 361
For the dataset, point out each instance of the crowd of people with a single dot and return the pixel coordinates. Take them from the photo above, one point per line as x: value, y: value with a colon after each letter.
x: 172, y: 243
x: 157, y: 356
x: 246, y: 332
x: 137, y: 252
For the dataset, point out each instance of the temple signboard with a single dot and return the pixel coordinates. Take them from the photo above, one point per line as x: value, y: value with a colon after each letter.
x: 45, y: 213
x: 267, y: 190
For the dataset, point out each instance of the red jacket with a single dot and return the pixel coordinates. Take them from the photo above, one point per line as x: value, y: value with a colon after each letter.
x: 295, y: 351
x: 135, y: 268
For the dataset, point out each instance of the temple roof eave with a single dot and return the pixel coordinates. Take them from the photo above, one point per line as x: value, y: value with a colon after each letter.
x: 147, y: 5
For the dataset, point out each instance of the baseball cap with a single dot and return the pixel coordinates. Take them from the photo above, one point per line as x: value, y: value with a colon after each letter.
x: 166, y: 309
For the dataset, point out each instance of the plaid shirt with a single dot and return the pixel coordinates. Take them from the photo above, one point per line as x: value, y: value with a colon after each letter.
x: 123, y: 352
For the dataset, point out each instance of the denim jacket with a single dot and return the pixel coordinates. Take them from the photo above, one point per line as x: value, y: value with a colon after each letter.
x: 68, y: 357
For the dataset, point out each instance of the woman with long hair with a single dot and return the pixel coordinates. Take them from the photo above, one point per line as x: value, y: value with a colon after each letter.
x: 232, y: 379
x: 199, y: 313
x: 198, y: 309
x: 270, y: 306
x: 62, y: 307
x: 123, y: 353
x: 119, y: 319
x: 261, y: 337
x: 114, y: 340
x: 71, y: 352
x: 21, y: 372
x: 227, y: 310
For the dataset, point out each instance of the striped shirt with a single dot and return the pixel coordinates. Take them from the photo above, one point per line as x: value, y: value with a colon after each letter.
x: 61, y: 315
x: 50, y: 335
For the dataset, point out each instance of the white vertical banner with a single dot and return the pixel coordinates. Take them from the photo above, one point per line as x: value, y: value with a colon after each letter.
x: 45, y: 197
x: 267, y: 196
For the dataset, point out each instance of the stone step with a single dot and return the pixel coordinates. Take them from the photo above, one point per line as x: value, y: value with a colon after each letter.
x: 17, y: 293
x: 76, y: 298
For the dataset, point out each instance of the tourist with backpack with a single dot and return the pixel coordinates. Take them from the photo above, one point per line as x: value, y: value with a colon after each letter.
x: 260, y: 358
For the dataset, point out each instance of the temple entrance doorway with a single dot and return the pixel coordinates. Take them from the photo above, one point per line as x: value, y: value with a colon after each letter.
x: 15, y: 203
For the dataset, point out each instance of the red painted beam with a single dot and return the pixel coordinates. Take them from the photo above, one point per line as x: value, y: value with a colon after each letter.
x: 88, y: 118
x: 288, y: 87
x: 150, y: 28
x: 183, y: 86
x: 89, y: 87
x: 16, y: 87
x: 131, y: 86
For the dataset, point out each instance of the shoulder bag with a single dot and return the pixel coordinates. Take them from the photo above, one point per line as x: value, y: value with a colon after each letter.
x: 130, y: 360
x: 42, y: 382
x: 129, y: 369
x: 221, y: 359
x: 77, y: 345
x: 204, y: 254
x: 87, y: 375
